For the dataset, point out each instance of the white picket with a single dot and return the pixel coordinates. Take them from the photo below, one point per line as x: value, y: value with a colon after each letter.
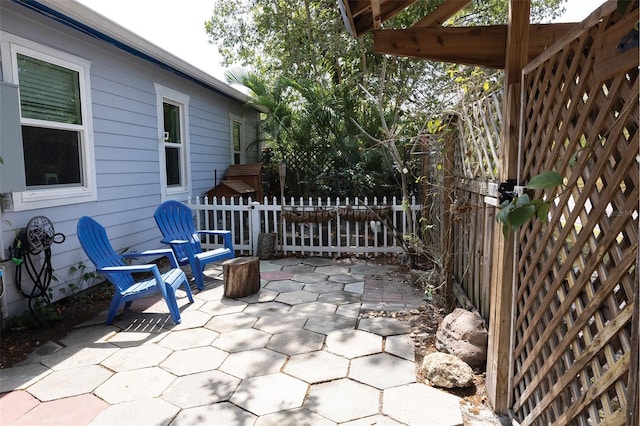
x: 337, y: 237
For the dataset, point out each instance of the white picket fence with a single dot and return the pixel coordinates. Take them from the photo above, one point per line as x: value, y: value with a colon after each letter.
x: 309, y: 227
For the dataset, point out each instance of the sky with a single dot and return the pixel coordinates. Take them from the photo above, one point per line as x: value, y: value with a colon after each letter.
x: 177, y: 26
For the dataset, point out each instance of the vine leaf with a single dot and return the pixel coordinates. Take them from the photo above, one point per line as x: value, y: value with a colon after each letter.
x: 516, y: 212
x: 545, y: 180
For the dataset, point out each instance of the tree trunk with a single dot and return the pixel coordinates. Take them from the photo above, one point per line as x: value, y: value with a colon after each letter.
x: 241, y: 276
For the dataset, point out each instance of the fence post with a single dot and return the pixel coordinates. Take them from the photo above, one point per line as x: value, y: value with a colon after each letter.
x: 446, y: 200
x: 498, y: 383
x: 254, y: 226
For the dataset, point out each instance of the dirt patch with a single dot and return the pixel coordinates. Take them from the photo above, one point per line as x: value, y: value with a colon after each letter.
x: 25, y: 333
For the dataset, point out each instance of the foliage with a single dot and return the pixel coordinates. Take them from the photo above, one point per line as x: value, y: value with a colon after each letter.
x: 42, y: 313
x: 84, y: 280
x: 516, y: 212
x: 342, y: 118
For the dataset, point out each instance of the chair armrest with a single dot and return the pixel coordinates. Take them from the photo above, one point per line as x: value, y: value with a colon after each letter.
x: 163, y: 241
x: 226, y: 235
x: 128, y: 268
x: 135, y: 268
x: 168, y: 253
x: 214, y: 232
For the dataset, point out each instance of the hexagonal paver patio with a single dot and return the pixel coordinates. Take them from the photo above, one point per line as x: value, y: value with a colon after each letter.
x: 288, y: 355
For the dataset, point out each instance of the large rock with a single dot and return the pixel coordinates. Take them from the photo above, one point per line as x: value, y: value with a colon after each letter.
x: 464, y: 334
x: 446, y: 371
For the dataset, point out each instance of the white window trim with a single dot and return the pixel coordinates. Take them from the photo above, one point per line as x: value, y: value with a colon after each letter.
x: 10, y: 46
x: 173, y: 96
x: 234, y: 118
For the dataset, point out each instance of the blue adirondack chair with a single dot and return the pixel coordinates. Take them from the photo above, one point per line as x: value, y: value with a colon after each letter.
x: 175, y: 221
x: 96, y: 245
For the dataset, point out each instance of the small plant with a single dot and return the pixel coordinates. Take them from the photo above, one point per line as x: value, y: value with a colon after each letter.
x: 41, y: 313
x: 86, y: 276
x: 516, y: 212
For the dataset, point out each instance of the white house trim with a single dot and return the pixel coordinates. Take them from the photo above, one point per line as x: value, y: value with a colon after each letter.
x: 11, y: 45
x: 165, y: 94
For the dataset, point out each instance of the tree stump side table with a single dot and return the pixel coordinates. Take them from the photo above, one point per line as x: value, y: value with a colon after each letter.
x: 241, y: 276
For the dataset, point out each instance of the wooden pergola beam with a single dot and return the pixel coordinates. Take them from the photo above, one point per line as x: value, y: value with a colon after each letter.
x: 443, y: 12
x: 359, y: 17
x: 481, y: 46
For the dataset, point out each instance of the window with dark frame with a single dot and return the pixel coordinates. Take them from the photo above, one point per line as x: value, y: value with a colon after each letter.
x: 173, y: 143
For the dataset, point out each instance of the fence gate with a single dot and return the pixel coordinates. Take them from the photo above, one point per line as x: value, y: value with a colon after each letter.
x: 575, y: 357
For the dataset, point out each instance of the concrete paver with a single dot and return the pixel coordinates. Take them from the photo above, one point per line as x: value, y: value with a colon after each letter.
x: 329, y: 323
x: 324, y: 287
x: 275, y: 324
x: 69, y: 382
x: 296, y: 342
x: 242, y: 340
x: 384, y: 326
x: 294, y: 353
x: 223, y: 413
x: 258, y: 396
x: 353, y: 343
x: 133, y: 385
x: 294, y: 417
x: 284, y: 286
x: 334, y: 270
x: 194, y: 360
x: 154, y: 411
x: 14, y: 405
x: 185, y: 339
x: 409, y: 403
x: 396, y: 371
x: 267, y: 309
x: 309, y: 277
x: 231, y: 322
x: 329, y: 399
x: 296, y: 297
x: 134, y: 357
x: 74, y: 356
x: 80, y: 409
x: 22, y: 376
x: 350, y: 310
x: 253, y: 363
x: 311, y: 309
x: 298, y: 269
x: 318, y: 366
x: 339, y: 297
x: 203, y: 388
x: 401, y: 346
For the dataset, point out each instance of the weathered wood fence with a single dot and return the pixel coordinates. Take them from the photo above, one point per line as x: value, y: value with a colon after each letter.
x: 574, y: 347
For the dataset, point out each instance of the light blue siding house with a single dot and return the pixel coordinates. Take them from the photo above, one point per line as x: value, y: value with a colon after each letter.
x: 97, y: 121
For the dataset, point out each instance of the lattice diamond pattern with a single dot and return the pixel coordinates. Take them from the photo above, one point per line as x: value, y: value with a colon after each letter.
x: 576, y: 275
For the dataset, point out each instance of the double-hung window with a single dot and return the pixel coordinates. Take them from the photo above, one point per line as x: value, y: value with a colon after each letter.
x: 174, y: 156
x: 55, y: 117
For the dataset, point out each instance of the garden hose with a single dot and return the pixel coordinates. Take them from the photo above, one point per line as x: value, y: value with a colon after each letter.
x: 36, y: 238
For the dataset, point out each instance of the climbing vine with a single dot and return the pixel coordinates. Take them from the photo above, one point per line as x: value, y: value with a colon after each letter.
x: 516, y: 211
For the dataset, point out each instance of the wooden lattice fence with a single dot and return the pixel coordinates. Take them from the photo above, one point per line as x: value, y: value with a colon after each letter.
x: 574, y: 354
x: 475, y: 159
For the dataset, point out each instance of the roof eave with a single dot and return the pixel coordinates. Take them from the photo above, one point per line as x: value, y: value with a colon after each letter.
x: 113, y: 33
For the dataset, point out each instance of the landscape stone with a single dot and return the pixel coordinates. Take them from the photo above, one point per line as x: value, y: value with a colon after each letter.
x: 446, y: 371
x: 464, y: 334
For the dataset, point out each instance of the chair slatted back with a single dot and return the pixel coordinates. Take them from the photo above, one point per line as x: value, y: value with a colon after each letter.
x: 175, y: 221
x: 95, y: 243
